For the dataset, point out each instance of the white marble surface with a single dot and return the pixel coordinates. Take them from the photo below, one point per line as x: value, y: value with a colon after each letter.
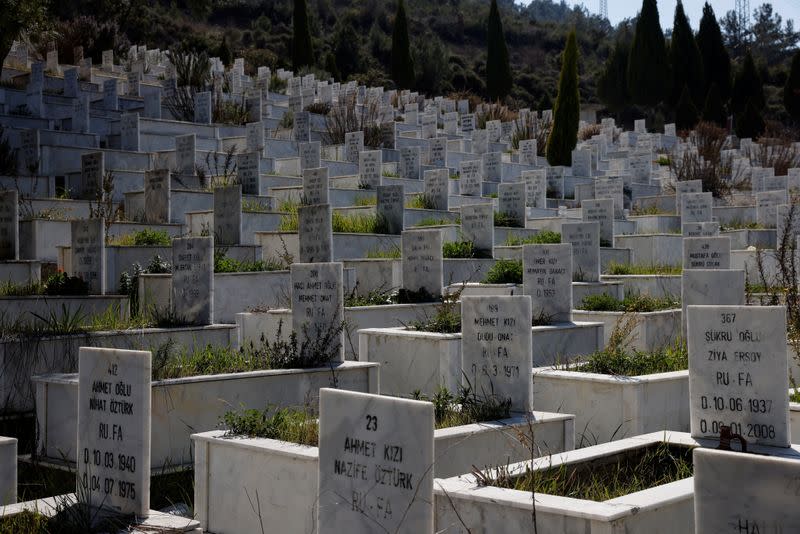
x: 437, y: 187
x: 511, y: 201
x: 422, y: 261
x: 315, y: 186
x: 193, y: 279
x: 695, y: 207
x: 310, y: 155
x: 228, y: 215
x: 601, y: 211
x: 547, y: 279
x: 315, y: 233
x: 88, y: 244
x: 477, y: 225
x: 317, y: 302
x: 369, y: 168
x: 585, y: 240
x: 157, y: 193
x: 390, y: 206
x: 707, y: 252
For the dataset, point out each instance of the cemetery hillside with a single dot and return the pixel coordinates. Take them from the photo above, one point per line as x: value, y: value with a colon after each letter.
x: 327, y: 266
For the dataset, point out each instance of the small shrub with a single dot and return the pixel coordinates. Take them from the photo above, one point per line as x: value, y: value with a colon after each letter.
x: 631, y: 303
x: 465, y: 407
x: 505, y: 272
x: 615, y: 360
x: 224, y: 264
x: 508, y: 221
x: 63, y: 284
x: 544, y: 237
x: 287, y: 424
x: 629, y: 269
x: 464, y: 249
x: 143, y: 238
x: 446, y: 321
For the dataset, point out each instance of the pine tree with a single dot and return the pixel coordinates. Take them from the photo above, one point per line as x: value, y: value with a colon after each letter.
x: 498, y: 68
x: 749, y: 123
x: 402, y: 63
x: 685, y: 112
x: 791, y: 91
x: 302, y: 50
x: 612, y: 86
x: 716, y: 61
x: 546, y: 102
x: 747, y: 86
x: 714, y: 109
x: 566, y: 114
x: 687, y: 65
x: 648, y: 68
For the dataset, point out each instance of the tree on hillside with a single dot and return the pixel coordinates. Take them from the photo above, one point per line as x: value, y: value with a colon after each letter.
x: 224, y: 52
x: 302, y: 50
x: 648, y: 69
x: 684, y: 55
x: 791, y: 90
x: 772, y: 40
x: 612, y: 85
x: 714, y: 109
x: 18, y: 18
x: 749, y: 123
x: 716, y: 62
x: 402, y: 64
x: 566, y: 114
x: 747, y: 87
x: 685, y: 111
x: 498, y: 68
x: 347, y: 48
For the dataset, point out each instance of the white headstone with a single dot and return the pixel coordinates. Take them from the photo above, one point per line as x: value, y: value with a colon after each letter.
x: 422, y: 261
x: 157, y: 195
x: 193, y: 279
x: 471, y: 178
x: 9, y: 227
x: 492, y: 166
x: 353, y: 145
x: 601, y: 211
x: 696, y: 207
x: 585, y: 239
x: 477, y: 226
x: 535, y: 188
x: 390, y: 207
x: 767, y: 204
x: 129, y: 132
x: 310, y: 157
x: 228, y: 215
x: 409, y: 165
x: 547, y: 279
x: 318, y: 306
x: 88, y: 247
x: 110, y: 95
x: 315, y: 233
x: 315, y: 186
x: 370, y: 163
x: 511, y: 201
x: 185, y: 154
x: 437, y: 184
x: 92, y: 172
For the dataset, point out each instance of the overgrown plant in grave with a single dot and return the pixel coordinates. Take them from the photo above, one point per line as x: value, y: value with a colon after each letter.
x: 631, y: 303
x: 542, y: 238
x: 103, y: 204
x: 433, y: 221
x: 229, y: 111
x: 63, y: 284
x: 223, y: 169
x: 739, y: 224
x: 642, y: 269
x: 523, y: 130
x: 287, y: 120
x: 505, y: 271
x: 345, y: 116
x: 193, y: 75
x: 254, y: 206
x: 298, y: 426
x: 508, y: 221
x: 464, y: 249
x: 374, y: 297
x: 129, y: 282
x: 465, y: 406
x: 706, y: 164
x: 446, y: 320
x: 421, y: 202
x: 776, y: 150
x: 142, y: 238
x: 626, y: 474
x: 225, y: 264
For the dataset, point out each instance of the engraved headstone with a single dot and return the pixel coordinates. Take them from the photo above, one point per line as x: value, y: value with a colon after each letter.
x: 301, y: 127
x: 467, y: 123
x: 310, y: 157
x: 92, y: 172
x: 390, y: 207
x: 247, y: 170
x: 114, y: 390
x: 496, y: 347
x: 409, y: 165
x: 612, y: 188
x: 9, y: 225
x: 152, y: 104
x: 601, y: 211
x: 30, y: 153
x: 582, y: 162
x: 700, y: 229
x: 436, y: 184
x: 492, y: 166
x: 585, y: 239
x: 193, y: 279
x: 353, y: 145
x: 129, y: 132
x: 80, y: 114
x: 254, y: 137
x: 370, y: 164
x: 480, y: 142
x: 767, y: 204
x: 315, y: 233
x: 422, y: 261
x: 315, y: 185
x: 157, y: 193
x: 511, y: 202
x: 707, y: 252
x: 88, y: 247
x: 527, y: 152
x: 202, y: 107
x: 696, y: 207
x: 318, y: 304
x: 471, y: 177
x: 185, y: 154
x: 738, y: 368
x: 477, y: 226
x: 375, y: 464
x: 438, y: 152
x: 547, y: 279
x: 535, y: 188
x: 228, y: 215
x: 110, y: 96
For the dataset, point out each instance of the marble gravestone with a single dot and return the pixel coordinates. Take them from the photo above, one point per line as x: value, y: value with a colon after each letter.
x: 193, y: 279
x: 318, y: 304
x: 468, y: 123
x: 315, y: 233
x: 547, y: 279
x: 254, y: 137
x: 723, y: 287
x: 110, y: 96
x: 114, y: 390
x: 696, y: 207
x: 438, y: 152
x: 707, y: 252
x: 71, y: 86
x: 686, y: 186
x: 88, y: 247
x: 535, y: 188
x: 767, y: 204
x: 185, y: 154
x: 788, y: 220
x: 745, y: 493
x: 601, y: 211
x: 129, y: 132
x: 376, y: 459
x: 370, y: 163
x: 470, y: 178
x: 409, y: 164
x: 228, y: 215
x: 8, y: 471
x: 80, y: 114
x: 511, y: 202
x: 422, y: 261
x: 92, y: 172
x: 492, y: 166
x: 451, y: 123
x: 585, y: 240
x: 9, y: 225
x: 301, y: 127
x: 555, y: 181
x: 527, y: 152
x: 247, y: 171
x: 582, y: 163
x: 152, y: 105
x: 738, y: 369
x: 310, y: 155
x: 202, y: 107
x: 353, y: 145
x: 315, y: 186
x: 612, y: 188
x: 493, y: 130
x: 390, y: 207
x: 477, y: 226
x: 700, y: 229
x: 496, y: 347
x: 437, y: 186
x: 480, y: 142
x: 157, y: 194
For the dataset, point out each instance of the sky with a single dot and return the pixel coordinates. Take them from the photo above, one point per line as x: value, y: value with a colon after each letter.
x: 620, y: 9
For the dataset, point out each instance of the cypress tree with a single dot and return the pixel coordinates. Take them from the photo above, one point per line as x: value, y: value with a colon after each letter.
x: 687, y: 66
x: 716, y: 61
x: 498, y: 68
x: 224, y: 52
x: 612, y: 85
x: 685, y: 111
x: 402, y: 64
x: 791, y: 91
x: 648, y: 69
x: 546, y: 102
x: 749, y: 123
x: 566, y: 114
x: 714, y: 109
x: 302, y: 50
x: 747, y: 86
